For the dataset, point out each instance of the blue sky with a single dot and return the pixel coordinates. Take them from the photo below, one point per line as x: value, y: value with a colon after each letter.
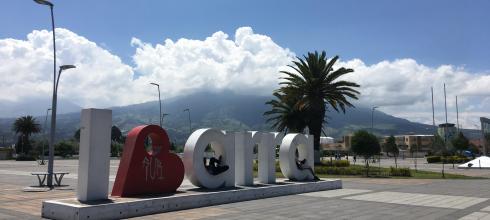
x: 431, y: 32
x: 398, y: 49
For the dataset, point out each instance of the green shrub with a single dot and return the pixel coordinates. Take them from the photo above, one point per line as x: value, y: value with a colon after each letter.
x: 400, y: 172
x: 448, y: 159
x: 348, y: 171
x: 64, y: 149
x: 455, y: 159
x: 25, y: 157
x: 336, y: 163
x: 433, y: 159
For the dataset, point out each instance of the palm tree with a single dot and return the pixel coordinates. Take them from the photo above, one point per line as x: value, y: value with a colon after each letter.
x: 26, y: 126
x: 315, y: 79
x: 285, y: 114
x: 116, y: 134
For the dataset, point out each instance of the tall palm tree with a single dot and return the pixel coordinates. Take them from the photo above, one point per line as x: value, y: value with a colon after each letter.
x: 285, y: 114
x: 26, y: 126
x: 315, y: 79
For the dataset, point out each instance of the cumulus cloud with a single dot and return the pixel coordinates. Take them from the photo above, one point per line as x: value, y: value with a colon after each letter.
x: 247, y: 63
x: 100, y: 78
x: 403, y: 88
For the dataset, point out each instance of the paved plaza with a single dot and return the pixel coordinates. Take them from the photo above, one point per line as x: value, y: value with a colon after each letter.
x: 361, y: 198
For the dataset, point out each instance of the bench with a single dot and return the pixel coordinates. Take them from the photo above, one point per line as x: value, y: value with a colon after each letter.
x: 41, y: 177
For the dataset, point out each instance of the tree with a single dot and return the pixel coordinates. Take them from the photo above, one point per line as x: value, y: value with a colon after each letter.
x: 25, y: 125
x: 391, y: 147
x: 315, y: 81
x: 76, y: 136
x: 64, y: 149
x: 116, y: 141
x: 474, y: 150
x: 116, y: 134
x: 366, y: 145
x: 116, y: 148
x: 438, y: 146
x: 461, y: 143
x: 285, y: 114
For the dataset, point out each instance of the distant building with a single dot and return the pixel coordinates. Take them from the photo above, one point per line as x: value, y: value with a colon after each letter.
x: 326, y: 140
x: 410, y: 143
x: 419, y: 143
x: 328, y: 143
x: 447, y: 131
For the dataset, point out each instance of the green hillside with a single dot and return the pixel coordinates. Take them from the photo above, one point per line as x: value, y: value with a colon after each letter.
x: 227, y: 111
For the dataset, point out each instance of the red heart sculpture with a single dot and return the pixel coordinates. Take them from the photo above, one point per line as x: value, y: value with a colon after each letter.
x: 141, y: 172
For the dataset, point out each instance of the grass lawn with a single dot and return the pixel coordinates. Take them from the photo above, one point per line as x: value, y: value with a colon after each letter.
x: 375, y: 172
x: 358, y: 171
x: 421, y: 174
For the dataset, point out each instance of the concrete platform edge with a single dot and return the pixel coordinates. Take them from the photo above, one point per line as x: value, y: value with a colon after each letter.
x: 57, y: 209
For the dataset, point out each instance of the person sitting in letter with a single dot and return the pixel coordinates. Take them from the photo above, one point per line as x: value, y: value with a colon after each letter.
x: 302, y: 165
x: 215, y: 166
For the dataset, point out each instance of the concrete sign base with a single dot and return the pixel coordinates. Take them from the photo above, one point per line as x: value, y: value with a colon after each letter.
x: 118, y: 208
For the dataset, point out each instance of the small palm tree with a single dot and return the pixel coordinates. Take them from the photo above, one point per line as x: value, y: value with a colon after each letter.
x: 26, y: 126
x: 318, y: 85
x: 285, y: 114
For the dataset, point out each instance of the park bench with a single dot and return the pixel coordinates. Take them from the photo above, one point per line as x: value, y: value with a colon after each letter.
x: 41, y: 177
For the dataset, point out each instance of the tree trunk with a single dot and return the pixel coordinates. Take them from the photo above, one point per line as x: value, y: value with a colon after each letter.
x: 26, y: 144
x: 396, y: 164
x: 317, y: 113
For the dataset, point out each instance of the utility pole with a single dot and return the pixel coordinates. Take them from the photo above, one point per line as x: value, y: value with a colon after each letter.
x: 445, y: 109
x: 445, y: 132
x: 160, y: 116
x: 433, y: 115
x: 457, y: 114
x: 434, y: 124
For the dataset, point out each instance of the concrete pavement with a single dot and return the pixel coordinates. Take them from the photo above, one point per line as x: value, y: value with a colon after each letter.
x: 361, y: 198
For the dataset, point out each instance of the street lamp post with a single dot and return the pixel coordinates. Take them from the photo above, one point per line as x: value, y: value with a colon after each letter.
x: 372, y: 118
x: 45, y: 129
x: 160, y: 116
x: 53, y: 123
x: 53, y: 118
x: 190, y: 124
x: 372, y: 132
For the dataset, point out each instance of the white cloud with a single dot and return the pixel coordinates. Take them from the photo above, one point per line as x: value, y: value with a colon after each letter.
x: 100, y: 79
x: 247, y: 63
x: 402, y: 88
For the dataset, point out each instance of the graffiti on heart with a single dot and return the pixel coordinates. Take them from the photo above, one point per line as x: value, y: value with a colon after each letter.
x: 153, y: 169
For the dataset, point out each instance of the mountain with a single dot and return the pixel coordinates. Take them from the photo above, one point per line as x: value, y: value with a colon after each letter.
x: 34, y: 106
x: 231, y: 112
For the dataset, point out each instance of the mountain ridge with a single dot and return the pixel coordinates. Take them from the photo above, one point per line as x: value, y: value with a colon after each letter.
x: 231, y: 112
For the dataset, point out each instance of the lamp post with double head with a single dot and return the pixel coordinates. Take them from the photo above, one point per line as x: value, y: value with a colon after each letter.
x: 50, y: 163
x: 160, y: 116
x: 53, y: 123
